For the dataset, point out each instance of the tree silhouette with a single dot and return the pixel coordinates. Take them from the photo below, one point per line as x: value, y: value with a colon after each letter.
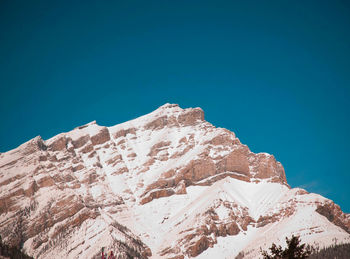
x: 13, y: 252
x: 294, y: 250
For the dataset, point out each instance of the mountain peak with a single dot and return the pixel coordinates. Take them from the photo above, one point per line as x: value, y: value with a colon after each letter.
x: 168, y: 105
x: 173, y: 109
x: 167, y: 183
x: 188, y: 116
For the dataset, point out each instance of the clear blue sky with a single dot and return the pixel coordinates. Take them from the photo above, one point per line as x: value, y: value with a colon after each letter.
x: 277, y: 73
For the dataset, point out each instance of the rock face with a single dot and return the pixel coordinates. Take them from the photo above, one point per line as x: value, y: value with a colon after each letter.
x: 334, y: 214
x: 167, y: 184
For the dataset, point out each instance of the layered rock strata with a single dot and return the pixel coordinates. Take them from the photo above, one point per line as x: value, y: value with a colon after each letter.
x: 97, y: 186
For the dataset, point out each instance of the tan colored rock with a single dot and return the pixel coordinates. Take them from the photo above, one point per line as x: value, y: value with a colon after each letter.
x: 98, y: 164
x: 59, y: 144
x: 161, y: 183
x: 266, y: 166
x: 181, y: 153
x: 124, y: 132
x: 181, y: 188
x: 11, y: 179
x: 101, y: 137
x: 264, y: 220
x: 301, y: 192
x: 224, y: 139
x: 114, y: 160
x: 78, y: 167
x: 62, y: 209
x: 191, y: 117
x: 168, y: 174
x: 172, y: 121
x: 45, y: 181
x: 237, y: 161
x: 90, y: 177
x: 64, y: 158
x: 203, y: 169
x: 42, y: 158
x: 147, y: 252
x: 170, y: 250
x: 183, y: 140
x: 132, y: 155
x: 157, y: 194
x: 335, y: 215
x: 222, y: 176
x: 198, y: 247
x: 177, y: 257
x: 222, y: 230
x: 33, y: 187
x: 66, y: 207
x: 144, y: 169
x: 121, y: 142
x: 51, y: 165
x: 32, y: 146
x: 197, y: 170
x: 232, y: 229
x: 75, y: 221
x: 87, y: 149
x: 53, y: 158
x: 121, y: 171
x: 81, y: 141
x: 157, y: 147
x: 158, y: 123
x: 149, y: 162
x: 246, y: 220
x: 6, y: 203
x: 76, y: 160
x: 9, y: 164
x: 76, y: 185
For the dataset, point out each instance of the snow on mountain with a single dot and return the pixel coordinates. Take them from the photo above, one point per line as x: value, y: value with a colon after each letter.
x: 164, y: 185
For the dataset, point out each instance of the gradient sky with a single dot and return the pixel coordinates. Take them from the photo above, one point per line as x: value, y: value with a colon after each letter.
x: 277, y: 73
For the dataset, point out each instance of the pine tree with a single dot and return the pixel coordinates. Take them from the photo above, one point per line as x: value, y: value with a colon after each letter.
x: 294, y: 250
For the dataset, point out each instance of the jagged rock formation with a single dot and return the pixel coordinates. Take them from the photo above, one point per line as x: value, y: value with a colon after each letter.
x: 167, y: 184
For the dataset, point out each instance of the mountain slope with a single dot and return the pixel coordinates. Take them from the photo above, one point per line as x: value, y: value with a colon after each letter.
x: 167, y: 184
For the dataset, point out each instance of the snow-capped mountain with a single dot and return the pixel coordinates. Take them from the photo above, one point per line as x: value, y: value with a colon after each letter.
x: 165, y: 185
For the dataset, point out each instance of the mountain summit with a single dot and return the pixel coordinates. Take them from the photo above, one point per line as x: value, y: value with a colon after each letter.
x: 165, y: 185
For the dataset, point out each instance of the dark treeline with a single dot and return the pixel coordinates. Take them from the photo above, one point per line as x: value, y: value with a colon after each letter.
x: 12, y: 252
x: 296, y: 250
x: 335, y: 251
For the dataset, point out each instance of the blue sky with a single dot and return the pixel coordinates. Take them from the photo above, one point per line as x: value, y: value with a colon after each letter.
x: 277, y: 73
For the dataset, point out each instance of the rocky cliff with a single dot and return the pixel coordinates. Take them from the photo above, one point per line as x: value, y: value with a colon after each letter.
x: 167, y: 184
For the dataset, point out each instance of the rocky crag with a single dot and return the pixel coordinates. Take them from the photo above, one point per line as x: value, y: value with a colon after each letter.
x: 165, y: 185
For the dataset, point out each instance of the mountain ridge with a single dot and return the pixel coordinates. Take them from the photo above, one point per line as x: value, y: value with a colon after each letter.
x: 138, y: 186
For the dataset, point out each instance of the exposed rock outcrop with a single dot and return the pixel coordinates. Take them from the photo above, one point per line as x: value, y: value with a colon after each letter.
x: 101, y: 137
x: 334, y: 214
x: 169, y: 171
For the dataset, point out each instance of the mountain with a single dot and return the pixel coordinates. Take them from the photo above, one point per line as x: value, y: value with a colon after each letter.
x: 165, y: 185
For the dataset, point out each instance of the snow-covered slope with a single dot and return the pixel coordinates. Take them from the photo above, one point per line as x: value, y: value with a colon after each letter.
x: 165, y: 185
